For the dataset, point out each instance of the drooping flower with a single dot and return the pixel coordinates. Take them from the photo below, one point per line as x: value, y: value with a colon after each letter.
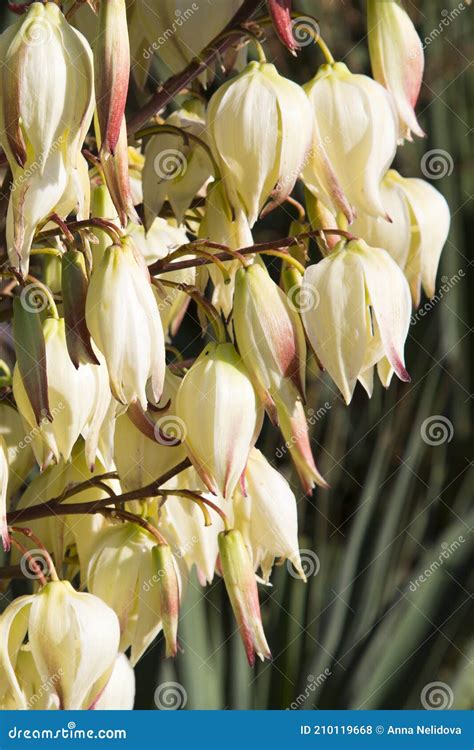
x: 4, y: 473
x: 362, y: 312
x: 43, y: 118
x: 397, y: 59
x: 73, y: 638
x: 260, y: 129
x: 119, y: 693
x: 266, y: 516
x: 221, y: 416
x: 358, y: 129
x: 123, y: 318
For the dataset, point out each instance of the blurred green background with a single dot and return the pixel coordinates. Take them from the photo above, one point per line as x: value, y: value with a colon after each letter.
x: 366, y: 631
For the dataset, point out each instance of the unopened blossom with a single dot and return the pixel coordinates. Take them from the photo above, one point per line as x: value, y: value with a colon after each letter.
x: 112, y: 71
x: 72, y: 398
x: 241, y: 585
x: 362, y: 312
x: 260, y: 129
x: 269, y: 334
x: 430, y: 223
x: 3, y: 494
x: 397, y: 59
x: 137, y: 581
x: 123, y: 318
x: 73, y: 638
x: 358, y: 129
x: 267, y: 516
x: 218, y: 407
x: 46, y: 106
x: 119, y: 693
x: 176, y: 167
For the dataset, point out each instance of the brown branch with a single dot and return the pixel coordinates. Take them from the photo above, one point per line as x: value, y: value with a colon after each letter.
x: 55, y: 506
x: 180, y: 81
x: 161, y: 266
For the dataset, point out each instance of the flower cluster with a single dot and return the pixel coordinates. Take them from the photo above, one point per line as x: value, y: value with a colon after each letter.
x: 147, y: 466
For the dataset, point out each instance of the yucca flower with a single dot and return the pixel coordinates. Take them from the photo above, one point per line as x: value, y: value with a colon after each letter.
x: 358, y: 129
x: 73, y: 639
x: 397, y: 59
x: 123, y: 319
x: 119, y: 693
x: 4, y: 473
x: 260, y: 128
x: 43, y: 118
x: 267, y: 516
x: 218, y: 407
x: 140, y: 583
x: 363, y: 312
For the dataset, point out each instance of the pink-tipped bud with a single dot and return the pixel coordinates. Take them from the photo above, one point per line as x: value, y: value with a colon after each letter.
x: 169, y: 595
x: 112, y: 71
x: 280, y: 11
x: 241, y: 585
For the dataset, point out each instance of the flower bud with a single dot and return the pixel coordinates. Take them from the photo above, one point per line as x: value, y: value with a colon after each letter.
x: 112, y: 71
x: 357, y: 126
x: 269, y: 333
x: 363, y: 312
x: 72, y: 395
x: 119, y: 693
x: 294, y: 428
x: 30, y: 350
x: 218, y: 407
x: 74, y: 289
x: 73, y: 638
x: 260, y: 129
x: 397, y: 59
x: 43, y: 119
x: 241, y: 586
x: 175, y: 168
x: 123, y: 319
x: 168, y: 588
x: 267, y: 516
x: 117, y: 177
x: 3, y: 494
